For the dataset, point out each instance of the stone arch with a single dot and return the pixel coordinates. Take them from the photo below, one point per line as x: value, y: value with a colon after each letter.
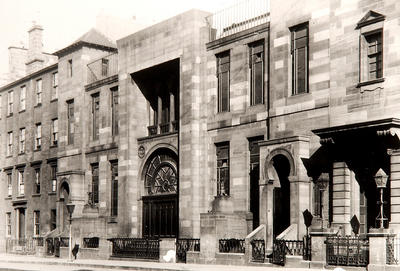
x: 269, y: 170
x: 63, y: 186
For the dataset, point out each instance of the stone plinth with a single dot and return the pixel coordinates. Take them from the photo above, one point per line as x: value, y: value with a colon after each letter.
x: 377, y: 248
x: 167, y: 250
x: 318, y: 247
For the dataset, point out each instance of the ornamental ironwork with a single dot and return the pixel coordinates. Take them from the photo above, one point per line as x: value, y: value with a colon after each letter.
x: 141, y: 248
x: 349, y: 251
x: 183, y: 245
x: 161, y: 176
x: 258, y: 250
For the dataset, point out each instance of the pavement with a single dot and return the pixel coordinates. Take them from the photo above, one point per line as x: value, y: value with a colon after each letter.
x: 12, y: 262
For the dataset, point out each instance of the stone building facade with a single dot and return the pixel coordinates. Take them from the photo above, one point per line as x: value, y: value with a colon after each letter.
x: 215, y: 127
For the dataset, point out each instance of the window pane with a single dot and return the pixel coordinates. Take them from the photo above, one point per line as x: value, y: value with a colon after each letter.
x: 301, y: 70
x: 224, y: 91
x: 258, y: 83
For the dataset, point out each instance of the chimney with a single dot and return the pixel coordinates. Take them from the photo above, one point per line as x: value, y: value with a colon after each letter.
x: 35, y: 58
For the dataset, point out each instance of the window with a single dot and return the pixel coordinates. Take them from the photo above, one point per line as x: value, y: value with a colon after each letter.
x: 10, y: 101
x: 9, y: 183
x: 104, y: 67
x: 373, y: 52
x: 22, y: 140
x: 54, y: 132
x: 53, y: 176
x: 95, y: 184
x: 9, y: 143
x: 53, y: 219
x: 114, y: 188
x: 22, y: 99
x: 223, y: 169
x: 70, y: 68
x: 38, y: 91
x: 36, y: 223
x: 70, y: 113
x: 299, y: 48
x: 223, y: 67
x: 37, y: 180
x: 38, y: 136
x: 114, y: 110
x: 54, y: 93
x: 256, y: 73
x: 8, y: 221
x: 95, y: 115
x: 21, y: 183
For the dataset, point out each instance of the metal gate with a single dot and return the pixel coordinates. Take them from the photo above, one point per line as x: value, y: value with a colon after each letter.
x: 279, y: 250
x: 347, y: 251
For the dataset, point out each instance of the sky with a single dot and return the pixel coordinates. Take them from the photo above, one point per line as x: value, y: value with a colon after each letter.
x: 64, y: 21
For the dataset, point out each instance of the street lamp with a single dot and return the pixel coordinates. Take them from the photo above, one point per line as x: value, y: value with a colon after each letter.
x: 381, y: 180
x: 70, y: 208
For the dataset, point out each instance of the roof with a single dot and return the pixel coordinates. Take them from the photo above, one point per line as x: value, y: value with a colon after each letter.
x: 92, y: 38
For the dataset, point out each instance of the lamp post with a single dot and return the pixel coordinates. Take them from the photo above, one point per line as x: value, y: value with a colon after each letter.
x: 70, y: 208
x: 381, y: 180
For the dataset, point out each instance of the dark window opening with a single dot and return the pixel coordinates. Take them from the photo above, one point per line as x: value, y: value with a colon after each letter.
x: 114, y: 188
x: 223, y: 169
x: 299, y: 48
x: 223, y: 70
x: 256, y: 73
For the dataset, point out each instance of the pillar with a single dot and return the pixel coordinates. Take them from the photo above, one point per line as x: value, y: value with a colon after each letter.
x: 159, y: 114
x: 171, y: 111
x: 394, y: 190
x: 341, y: 197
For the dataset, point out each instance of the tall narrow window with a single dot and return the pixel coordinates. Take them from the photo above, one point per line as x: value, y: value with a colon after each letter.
x: 71, y: 121
x: 223, y: 68
x: 36, y: 223
x: 95, y: 184
x: 54, y: 132
x: 37, y: 180
x: 38, y: 136
x: 53, y: 176
x: 22, y: 99
x: 54, y: 93
x: 38, y: 91
x: 104, y: 66
x: 8, y: 227
x: 223, y: 169
x: 299, y: 47
x: 114, y: 188
x: 21, y: 183
x: 22, y: 140
x: 114, y: 110
x: 9, y: 183
x: 70, y: 68
x: 53, y: 219
x: 10, y: 101
x: 9, y: 143
x: 257, y: 73
x: 374, y: 54
x: 96, y: 115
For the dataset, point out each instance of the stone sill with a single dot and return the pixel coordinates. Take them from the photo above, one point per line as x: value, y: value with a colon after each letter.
x: 370, y: 82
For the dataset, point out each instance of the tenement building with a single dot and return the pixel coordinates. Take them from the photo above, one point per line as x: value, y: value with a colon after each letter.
x: 212, y: 135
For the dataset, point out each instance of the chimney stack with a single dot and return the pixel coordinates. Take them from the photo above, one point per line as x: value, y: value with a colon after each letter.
x: 35, y: 56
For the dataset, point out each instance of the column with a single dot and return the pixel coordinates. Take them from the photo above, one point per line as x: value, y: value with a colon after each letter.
x: 159, y: 114
x: 394, y: 190
x: 341, y: 197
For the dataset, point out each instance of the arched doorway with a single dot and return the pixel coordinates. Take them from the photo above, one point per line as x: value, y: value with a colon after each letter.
x: 281, y: 195
x: 64, y: 199
x: 160, y: 202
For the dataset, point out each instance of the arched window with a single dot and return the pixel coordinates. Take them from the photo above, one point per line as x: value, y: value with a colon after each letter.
x: 161, y: 176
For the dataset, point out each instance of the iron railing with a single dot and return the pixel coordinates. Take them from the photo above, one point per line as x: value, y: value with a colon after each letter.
x: 279, y: 251
x: 64, y: 241
x: 347, y: 251
x: 184, y: 245
x: 39, y: 241
x: 294, y: 247
x: 242, y: 16
x: 232, y: 245
x: 92, y: 242
x: 258, y: 250
x: 307, y: 248
x: 140, y: 248
x: 164, y: 128
x: 50, y: 246
x: 392, y: 250
x: 27, y: 245
x: 102, y: 68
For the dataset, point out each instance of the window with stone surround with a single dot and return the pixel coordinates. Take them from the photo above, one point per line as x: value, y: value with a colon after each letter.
x: 36, y: 223
x: 38, y: 136
x: 22, y: 140
x: 54, y: 93
x: 256, y: 65
x: 53, y: 219
x: 22, y: 99
x: 70, y: 68
x: 39, y: 89
x: 222, y: 150
x: 53, y: 176
x: 9, y: 183
x: 9, y: 143
x: 371, y: 48
x: 299, y: 52
x: 37, y: 180
x: 114, y: 188
x: 104, y: 66
x: 71, y: 121
x: 94, y: 197
x: 21, y: 182
x: 223, y: 71
x: 114, y: 110
x: 8, y: 224
x: 95, y: 116
x: 10, y: 103
x: 54, y: 132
